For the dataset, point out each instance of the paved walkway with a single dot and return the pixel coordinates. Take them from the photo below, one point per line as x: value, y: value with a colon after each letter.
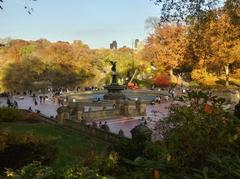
x: 154, y: 114
x: 49, y: 108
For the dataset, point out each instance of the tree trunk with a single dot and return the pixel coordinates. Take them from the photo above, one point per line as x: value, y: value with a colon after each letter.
x: 227, y: 74
x: 171, y: 75
x: 134, y: 74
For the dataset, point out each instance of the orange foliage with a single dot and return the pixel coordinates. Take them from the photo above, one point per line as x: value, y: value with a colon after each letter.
x: 166, y: 47
x: 208, y: 108
x: 162, y: 81
x: 132, y: 85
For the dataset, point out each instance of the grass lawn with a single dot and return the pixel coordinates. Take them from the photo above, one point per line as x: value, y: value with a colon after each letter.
x: 71, y: 146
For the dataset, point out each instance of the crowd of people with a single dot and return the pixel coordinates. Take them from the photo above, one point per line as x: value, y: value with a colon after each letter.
x: 165, y: 98
x: 11, y: 103
x: 12, y: 98
x: 40, y: 97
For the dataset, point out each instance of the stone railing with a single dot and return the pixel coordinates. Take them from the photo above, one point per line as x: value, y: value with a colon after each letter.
x: 83, y: 128
x: 77, y: 111
x: 108, y: 113
x: 94, y: 131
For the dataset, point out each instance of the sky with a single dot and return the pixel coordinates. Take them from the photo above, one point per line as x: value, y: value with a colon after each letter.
x: 95, y: 22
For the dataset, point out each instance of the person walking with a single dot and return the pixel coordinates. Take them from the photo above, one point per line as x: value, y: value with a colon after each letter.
x: 40, y: 97
x: 9, y: 102
x: 30, y: 108
x: 15, y: 104
x: 237, y: 110
x: 35, y: 102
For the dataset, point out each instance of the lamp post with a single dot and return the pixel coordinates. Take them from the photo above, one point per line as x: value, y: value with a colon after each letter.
x: 133, y: 55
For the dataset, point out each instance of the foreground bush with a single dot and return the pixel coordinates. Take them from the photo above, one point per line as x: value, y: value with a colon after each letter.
x: 201, y: 140
x: 15, y: 115
x: 10, y: 115
x: 92, y: 167
x: 36, y: 170
x: 32, y: 170
x: 22, y: 149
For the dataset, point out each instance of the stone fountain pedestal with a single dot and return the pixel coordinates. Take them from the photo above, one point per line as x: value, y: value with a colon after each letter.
x: 114, y: 90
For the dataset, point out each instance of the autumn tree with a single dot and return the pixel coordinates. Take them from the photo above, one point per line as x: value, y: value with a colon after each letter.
x: 125, y: 63
x: 211, y: 35
x: 24, y: 74
x: 152, y: 23
x: 83, y: 56
x: 225, y: 43
x: 101, y: 62
x: 166, y: 47
x: 65, y: 64
x: 232, y: 7
x: 185, y: 10
x: 213, y: 43
x: 17, y: 49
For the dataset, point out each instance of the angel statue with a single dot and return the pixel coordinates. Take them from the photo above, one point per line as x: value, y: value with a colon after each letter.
x: 113, y: 66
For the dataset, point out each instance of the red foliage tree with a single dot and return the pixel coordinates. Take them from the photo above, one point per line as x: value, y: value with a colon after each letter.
x: 161, y: 81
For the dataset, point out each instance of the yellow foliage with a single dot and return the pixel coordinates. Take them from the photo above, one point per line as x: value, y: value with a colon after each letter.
x: 202, y: 76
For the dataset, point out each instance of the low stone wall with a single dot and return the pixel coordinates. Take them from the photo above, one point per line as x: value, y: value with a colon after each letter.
x: 231, y: 96
x: 92, y: 103
x: 83, y: 128
x: 77, y: 111
x: 93, y: 115
x: 93, y: 131
x: 47, y: 119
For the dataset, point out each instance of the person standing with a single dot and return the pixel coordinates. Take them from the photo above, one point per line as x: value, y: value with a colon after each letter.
x: 173, y: 93
x: 40, y: 97
x: 9, y: 102
x: 15, y: 104
x: 100, y: 124
x: 35, y: 102
x: 237, y: 110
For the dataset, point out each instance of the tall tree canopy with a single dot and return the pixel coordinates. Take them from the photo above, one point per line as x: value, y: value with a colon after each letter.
x: 27, y: 5
x: 182, y: 10
x: 187, y: 10
x: 166, y: 47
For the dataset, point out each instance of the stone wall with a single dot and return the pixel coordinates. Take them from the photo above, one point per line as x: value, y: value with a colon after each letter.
x: 94, y: 115
x: 76, y: 111
x: 231, y: 96
x: 83, y: 128
x: 94, y: 131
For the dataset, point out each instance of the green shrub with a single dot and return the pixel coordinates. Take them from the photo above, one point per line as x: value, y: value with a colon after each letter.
x: 193, y: 133
x: 38, y: 171
x: 19, y: 150
x: 193, y: 84
x: 144, y: 83
x: 79, y: 172
x: 10, y: 115
x: 33, y: 170
x: 220, y: 166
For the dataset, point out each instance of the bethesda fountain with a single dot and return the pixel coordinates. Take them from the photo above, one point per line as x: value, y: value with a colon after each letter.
x: 114, y: 89
x: 114, y: 104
